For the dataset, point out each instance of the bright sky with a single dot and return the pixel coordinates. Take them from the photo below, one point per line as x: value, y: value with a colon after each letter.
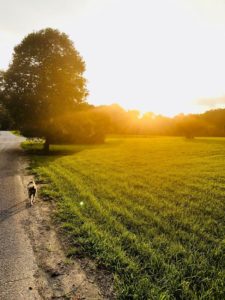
x: 165, y: 56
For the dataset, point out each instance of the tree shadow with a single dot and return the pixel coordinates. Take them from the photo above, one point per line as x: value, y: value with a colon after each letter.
x: 57, y: 151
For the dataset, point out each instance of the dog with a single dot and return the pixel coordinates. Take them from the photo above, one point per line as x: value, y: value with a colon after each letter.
x: 32, y: 191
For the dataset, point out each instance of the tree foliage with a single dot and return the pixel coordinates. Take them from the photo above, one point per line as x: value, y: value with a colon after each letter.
x: 44, y: 81
x: 6, y: 122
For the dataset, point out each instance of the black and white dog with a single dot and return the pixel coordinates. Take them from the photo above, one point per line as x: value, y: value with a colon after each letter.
x: 32, y: 191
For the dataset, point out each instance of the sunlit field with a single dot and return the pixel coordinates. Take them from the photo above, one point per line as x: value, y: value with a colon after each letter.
x: 150, y: 210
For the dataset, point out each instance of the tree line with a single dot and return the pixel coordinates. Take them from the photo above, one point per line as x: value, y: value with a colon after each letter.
x: 120, y: 121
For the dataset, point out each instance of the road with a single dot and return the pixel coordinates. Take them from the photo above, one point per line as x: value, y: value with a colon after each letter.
x: 17, y: 261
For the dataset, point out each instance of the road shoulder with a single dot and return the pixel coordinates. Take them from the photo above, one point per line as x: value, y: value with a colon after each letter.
x: 59, y: 277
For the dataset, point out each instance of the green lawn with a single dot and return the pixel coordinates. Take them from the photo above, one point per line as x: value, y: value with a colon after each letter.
x: 151, y: 210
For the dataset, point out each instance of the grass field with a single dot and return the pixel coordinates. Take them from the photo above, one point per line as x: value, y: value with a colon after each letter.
x: 151, y: 210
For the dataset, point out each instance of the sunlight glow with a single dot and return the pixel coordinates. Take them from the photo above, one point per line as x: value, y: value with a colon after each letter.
x: 161, y: 56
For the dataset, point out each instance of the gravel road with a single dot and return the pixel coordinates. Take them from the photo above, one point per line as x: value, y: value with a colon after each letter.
x: 17, y: 260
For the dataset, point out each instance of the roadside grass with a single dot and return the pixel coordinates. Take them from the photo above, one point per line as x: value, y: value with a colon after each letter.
x: 150, y: 210
x: 15, y: 132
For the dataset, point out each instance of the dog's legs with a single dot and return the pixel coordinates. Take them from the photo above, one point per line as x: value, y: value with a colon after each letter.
x: 31, y: 200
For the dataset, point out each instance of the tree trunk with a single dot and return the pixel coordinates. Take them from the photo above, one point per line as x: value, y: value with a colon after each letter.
x: 46, y: 145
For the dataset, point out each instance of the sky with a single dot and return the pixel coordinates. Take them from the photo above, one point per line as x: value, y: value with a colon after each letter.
x: 164, y: 56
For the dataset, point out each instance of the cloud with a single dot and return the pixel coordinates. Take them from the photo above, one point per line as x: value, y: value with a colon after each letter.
x: 211, y: 101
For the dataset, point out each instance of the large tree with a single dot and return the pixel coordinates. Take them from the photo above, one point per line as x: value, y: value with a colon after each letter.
x: 44, y: 81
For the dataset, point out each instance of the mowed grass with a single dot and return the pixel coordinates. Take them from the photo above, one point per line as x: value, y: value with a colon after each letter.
x: 151, y: 210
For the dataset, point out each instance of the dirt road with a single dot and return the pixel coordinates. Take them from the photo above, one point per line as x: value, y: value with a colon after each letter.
x: 17, y: 260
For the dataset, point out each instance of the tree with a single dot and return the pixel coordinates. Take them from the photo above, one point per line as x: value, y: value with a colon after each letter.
x: 90, y: 127
x: 6, y: 122
x: 5, y: 119
x: 44, y: 81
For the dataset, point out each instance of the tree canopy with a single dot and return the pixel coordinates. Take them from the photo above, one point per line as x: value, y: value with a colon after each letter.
x: 43, y: 82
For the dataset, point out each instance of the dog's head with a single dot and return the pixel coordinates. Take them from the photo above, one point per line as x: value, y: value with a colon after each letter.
x: 31, y: 183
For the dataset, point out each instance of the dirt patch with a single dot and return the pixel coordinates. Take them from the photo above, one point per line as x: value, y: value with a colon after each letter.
x: 58, y: 276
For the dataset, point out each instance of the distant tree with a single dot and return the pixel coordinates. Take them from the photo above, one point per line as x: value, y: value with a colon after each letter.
x: 2, y: 86
x: 191, y: 125
x: 6, y: 122
x: 5, y: 119
x: 119, y: 120
x: 215, y: 119
x: 1, y: 81
x: 44, y: 81
x: 87, y: 126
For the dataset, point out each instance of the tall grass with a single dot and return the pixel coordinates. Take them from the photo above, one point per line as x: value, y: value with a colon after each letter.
x: 151, y: 210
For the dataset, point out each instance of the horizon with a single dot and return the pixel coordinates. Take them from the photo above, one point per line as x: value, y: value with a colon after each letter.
x: 141, y: 115
x: 169, y: 61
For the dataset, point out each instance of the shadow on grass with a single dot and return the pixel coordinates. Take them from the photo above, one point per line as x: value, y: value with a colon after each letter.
x: 55, y: 150
x: 33, y: 148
